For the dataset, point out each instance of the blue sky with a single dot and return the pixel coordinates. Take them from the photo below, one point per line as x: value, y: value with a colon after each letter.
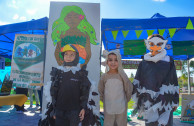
x: 13, y: 11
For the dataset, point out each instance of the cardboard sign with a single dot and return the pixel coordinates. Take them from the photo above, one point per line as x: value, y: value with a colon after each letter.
x: 27, y: 60
x: 77, y: 26
x: 128, y: 64
x: 187, y: 113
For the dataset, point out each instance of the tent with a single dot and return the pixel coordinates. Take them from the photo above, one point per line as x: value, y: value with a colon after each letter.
x: 128, y: 34
x: 7, y: 33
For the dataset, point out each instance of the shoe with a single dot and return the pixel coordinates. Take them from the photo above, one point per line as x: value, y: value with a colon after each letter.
x: 140, y: 117
x: 40, y: 109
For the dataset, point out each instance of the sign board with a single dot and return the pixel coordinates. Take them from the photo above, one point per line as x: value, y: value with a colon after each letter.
x: 76, y: 24
x: 27, y: 60
x: 129, y: 64
x: 187, y: 113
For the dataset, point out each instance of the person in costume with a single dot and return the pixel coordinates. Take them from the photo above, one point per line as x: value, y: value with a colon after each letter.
x: 156, y: 90
x: 115, y: 90
x: 69, y: 89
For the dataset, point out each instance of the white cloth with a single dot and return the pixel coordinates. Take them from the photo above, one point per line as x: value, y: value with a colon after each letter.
x: 156, y: 58
x: 114, y: 96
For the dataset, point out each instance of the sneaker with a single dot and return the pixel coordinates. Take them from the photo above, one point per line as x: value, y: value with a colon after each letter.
x: 40, y: 109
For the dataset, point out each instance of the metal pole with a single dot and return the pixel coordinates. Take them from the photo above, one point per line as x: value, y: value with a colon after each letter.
x: 45, y: 33
x: 189, y: 86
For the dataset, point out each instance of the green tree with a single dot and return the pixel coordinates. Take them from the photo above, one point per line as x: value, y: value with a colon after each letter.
x: 184, y: 70
x: 183, y: 79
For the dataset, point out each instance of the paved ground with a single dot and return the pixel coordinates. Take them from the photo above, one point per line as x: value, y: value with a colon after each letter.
x: 176, y: 122
x: 8, y: 117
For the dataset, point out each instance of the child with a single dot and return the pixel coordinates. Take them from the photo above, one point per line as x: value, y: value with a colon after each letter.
x: 115, y: 91
x: 156, y: 90
x: 69, y: 89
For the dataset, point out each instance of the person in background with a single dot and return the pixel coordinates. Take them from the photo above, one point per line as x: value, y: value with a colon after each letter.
x: 31, y: 91
x: 40, y: 94
x: 115, y: 90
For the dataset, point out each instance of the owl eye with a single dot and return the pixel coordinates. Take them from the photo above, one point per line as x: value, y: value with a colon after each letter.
x: 160, y: 44
x: 151, y: 43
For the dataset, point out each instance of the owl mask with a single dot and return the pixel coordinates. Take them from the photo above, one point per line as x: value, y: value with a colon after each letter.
x: 155, y: 43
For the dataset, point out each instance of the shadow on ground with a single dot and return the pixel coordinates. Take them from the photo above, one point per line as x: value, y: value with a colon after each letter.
x: 9, y: 117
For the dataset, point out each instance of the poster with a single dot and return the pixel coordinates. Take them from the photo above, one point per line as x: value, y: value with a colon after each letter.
x: 127, y: 64
x: 78, y: 25
x: 187, y: 113
x: 27, y: 60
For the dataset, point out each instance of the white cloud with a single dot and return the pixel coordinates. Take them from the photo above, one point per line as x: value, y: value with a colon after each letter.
x: 16, y: 16
x: 13, y: 4
x: 31, y: 11
x: 159, y: 0
x: 23, y: 18
x: 3, y: 23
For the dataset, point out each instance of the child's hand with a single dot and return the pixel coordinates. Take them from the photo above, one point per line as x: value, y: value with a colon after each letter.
x: 81, y: 114
x: 54, y: 117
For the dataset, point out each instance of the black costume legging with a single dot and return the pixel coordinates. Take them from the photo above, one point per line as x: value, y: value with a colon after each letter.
x: 67, y: 118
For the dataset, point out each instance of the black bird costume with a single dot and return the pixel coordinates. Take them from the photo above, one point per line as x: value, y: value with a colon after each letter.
x: 156, y: 89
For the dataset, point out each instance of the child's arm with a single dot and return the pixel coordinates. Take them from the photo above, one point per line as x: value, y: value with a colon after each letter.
x: 54, y: 87
x: 101, y: 88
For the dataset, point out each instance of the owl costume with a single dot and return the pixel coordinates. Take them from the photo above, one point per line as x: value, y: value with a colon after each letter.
x: 156, y: 89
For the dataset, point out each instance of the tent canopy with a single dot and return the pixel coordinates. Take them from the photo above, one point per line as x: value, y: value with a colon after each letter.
x: 7, y: 33
x: 128, y: 35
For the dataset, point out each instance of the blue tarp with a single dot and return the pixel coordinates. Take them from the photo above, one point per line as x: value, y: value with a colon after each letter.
x: 155, y: 23
x: 7, y: 33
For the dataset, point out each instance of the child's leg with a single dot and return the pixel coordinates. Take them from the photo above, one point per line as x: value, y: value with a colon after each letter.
x: 121, y: 119
x: 36, y: 97
x: 73, y: 117
x: 30, y: 91
x: 170, y: 121
x: 109, y: 120
x: 61, y: 119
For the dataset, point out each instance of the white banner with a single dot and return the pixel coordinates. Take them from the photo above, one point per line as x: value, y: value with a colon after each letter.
x: 27, y: 60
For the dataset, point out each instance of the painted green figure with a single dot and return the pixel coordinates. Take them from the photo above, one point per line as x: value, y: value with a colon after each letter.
x: 72, y: 27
